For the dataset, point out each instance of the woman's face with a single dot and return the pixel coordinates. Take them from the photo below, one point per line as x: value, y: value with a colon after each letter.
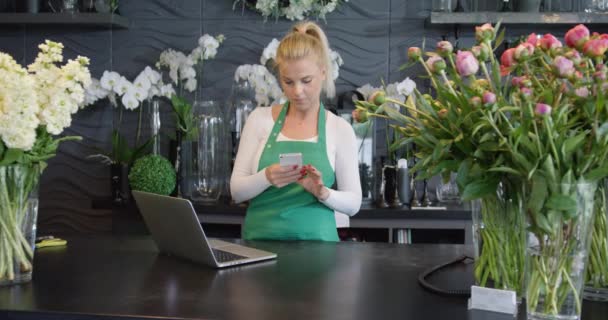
x: 301, y: 81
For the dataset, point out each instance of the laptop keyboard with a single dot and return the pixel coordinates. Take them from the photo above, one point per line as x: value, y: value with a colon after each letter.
x: 224, y: 256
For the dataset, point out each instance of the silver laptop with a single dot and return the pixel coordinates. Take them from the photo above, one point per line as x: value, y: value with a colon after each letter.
x: 176, y: 230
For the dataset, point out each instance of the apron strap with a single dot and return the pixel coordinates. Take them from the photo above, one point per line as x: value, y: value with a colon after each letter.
x: 278, y: 125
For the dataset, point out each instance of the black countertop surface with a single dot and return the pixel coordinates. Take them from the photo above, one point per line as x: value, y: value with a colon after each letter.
x: 99, y: 277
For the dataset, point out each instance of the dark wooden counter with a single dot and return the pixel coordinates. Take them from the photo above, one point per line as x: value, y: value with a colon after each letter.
x: 98, y: 277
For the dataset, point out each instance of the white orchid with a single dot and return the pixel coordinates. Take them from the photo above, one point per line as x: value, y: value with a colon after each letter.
x: 293, y: 10
x: 270, y: 52
x: 265, y: 84
x: 182, y: 69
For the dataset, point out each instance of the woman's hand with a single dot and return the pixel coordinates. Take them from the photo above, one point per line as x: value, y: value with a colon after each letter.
x: 282, y: 176
x: 312, y: 180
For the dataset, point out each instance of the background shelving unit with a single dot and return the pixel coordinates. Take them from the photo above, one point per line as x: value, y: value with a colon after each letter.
x: 76, y: 19
x: 522, y: 18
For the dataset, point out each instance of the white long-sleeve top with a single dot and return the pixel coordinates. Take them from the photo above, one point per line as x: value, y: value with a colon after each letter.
x: 247, y: 182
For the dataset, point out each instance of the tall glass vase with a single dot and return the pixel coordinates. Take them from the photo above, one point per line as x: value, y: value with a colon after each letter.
x: 596, y: 273
x: 154, y: 124
x: 499, y: 238
x: 557, y: 250
x: 209, y: 159
x: 18, y: 214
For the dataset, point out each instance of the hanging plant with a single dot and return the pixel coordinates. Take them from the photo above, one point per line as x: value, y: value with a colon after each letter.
x: 290, y: 9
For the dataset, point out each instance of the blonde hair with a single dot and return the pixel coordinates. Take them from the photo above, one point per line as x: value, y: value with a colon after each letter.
x: 306, y: 39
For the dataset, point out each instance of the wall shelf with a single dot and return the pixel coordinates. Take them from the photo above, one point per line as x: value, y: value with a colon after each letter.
x: 554, y: 18
x: 83, y: 19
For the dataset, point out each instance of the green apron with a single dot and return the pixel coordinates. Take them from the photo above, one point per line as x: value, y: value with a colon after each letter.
x: 291, y: 212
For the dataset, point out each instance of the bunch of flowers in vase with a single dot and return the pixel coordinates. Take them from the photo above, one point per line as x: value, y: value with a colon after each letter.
x: 291, y: 9
x: 186, y: 73
x: 126, y: 95
x: 531, y: 130
x: 36, y: 104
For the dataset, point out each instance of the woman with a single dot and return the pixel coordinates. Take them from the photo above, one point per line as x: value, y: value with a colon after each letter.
x: 296, y: 203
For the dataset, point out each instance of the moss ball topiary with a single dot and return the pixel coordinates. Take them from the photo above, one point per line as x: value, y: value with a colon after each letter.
x: 154, y: 174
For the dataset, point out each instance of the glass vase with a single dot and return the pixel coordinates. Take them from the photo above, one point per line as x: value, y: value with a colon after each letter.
x: 499, y: 239
x: 208, y: 158
x: 596, y: 273
x: 557, y: 250
x: 18, y: 214
x: 447, y: 192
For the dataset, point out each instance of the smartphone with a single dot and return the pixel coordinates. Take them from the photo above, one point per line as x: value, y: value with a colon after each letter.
x: 290, y: 159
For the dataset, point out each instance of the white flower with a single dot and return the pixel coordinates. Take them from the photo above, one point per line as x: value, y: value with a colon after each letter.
x: 190, y: 85
x: 122, y: 86
x: 270, y: 52
x: 153, y: 76
x: 367, y: 90
x: 142, y: 82
x: 294, y: 10
x: 130, y: 101
x: 167, y: 90
x: 109, y: 79
x: 406, y: 87
x: 336, y: 62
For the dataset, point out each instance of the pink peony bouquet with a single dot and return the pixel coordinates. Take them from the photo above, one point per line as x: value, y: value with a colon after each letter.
x: 532, y: 125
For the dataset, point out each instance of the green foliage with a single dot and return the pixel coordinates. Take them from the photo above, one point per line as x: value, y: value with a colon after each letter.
x: 184, y: 117
x: 123, y: 153
x: 44, y: 148
x: 154, y: 174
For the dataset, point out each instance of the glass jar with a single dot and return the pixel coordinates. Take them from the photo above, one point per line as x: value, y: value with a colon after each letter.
x: 208, y: 156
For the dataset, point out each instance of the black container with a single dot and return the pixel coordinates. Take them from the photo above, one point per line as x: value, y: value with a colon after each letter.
x: 119, y: 184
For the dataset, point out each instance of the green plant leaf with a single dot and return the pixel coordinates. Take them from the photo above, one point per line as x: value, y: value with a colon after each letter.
x: 563, y: 203
x: 538, y: 194
x: 542, y: 223
x: 11, y: 156
x: 500, y: 38
x: 597, y: 174
x: 479, y: 189
x: 505, y: 170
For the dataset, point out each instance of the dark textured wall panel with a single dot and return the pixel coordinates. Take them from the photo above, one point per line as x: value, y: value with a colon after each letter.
x: 12, y: 42
x: 371, y: 36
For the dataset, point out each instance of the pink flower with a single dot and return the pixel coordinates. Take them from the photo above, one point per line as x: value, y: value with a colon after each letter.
x: 532, y: 39
x: 523, y: 51
x: 414, y: 53
x: 377, y: 98
x: 436, y: 64
x: 563, y: 67
x: 475, y: 101
x: 484, y: 33
x: 548, y: 42
x: 582, y: 92
x: 466, y: 64
x: 573, y: 55
x: 600, y: 73
x: 526, y: 92
x: 520, y: 81
x: 489, y: 97
x: 444, y: 48
x: 577, y: 36
x: 542, y: 109
x: 359, y: 115
x: 506, y: 61
x: 595, y: 47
